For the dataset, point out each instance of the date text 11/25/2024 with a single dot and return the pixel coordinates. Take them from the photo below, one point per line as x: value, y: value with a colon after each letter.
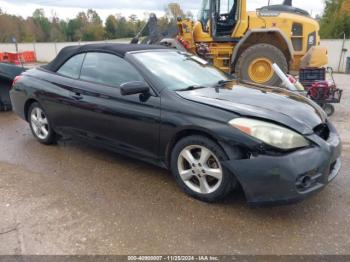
x: 173, y: 258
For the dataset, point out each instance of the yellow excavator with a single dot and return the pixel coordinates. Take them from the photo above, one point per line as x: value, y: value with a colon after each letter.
x: 248, y: 43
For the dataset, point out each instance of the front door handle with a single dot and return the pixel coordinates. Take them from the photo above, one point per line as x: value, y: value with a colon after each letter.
x: 77, y: 96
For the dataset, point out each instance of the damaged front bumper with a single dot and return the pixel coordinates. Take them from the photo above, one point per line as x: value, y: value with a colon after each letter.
x: 292, y: 177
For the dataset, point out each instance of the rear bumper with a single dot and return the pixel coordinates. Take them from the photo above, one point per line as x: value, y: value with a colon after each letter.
x: 275, y: 180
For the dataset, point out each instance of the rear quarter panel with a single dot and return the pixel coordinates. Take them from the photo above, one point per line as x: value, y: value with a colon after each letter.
x: 38, y: 85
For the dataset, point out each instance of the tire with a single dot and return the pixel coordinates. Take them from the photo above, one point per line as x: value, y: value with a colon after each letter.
x: 38, y: 122
x: 329, y: 109
x: 263, y: 54
x: 192, y: 180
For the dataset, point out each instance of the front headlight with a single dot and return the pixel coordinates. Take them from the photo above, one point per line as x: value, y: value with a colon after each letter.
x: 271, y: 134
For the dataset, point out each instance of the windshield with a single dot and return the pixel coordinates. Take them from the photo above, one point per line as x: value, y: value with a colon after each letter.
x: 178, y: 70
x: 203, y: 14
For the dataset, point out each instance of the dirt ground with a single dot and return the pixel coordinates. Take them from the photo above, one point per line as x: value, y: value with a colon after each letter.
x: 76, y: 199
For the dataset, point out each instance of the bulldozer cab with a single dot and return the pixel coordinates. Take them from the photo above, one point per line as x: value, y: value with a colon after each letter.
x: 219, y: 17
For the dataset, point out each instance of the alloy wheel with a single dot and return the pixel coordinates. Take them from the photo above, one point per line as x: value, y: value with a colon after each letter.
x: 200, y: 169
x: 39, y: 123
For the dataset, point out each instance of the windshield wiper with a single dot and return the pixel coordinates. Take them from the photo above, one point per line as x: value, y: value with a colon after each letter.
x: 224, y: 82
x: 221, y: 84
x: 190, y: 88
x: 218, y: 85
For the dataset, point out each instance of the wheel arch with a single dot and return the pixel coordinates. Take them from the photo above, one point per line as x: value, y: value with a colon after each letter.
x: 185, y: 133
x: 273, y: 37
x: 27, y: 105
x: 227, y: 150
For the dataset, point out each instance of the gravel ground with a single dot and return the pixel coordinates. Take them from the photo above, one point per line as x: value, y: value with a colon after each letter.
x: 76, y: 199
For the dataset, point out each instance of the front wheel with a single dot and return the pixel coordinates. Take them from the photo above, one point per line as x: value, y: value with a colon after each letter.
x: 40, y: 125
x: 196, y: 164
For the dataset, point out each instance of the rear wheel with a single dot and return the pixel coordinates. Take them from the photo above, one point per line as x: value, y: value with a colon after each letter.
x: 40, y: 125
x: 255, y: 64
x: 196, y: 164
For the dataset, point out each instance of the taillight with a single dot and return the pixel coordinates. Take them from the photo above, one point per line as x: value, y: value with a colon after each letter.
x: 17, y: 78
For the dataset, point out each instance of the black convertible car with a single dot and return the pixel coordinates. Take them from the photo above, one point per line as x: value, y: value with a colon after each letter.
x: 174, y: 110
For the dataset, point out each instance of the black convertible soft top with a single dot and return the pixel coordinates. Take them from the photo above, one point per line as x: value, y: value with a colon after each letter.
x: 117, y: 49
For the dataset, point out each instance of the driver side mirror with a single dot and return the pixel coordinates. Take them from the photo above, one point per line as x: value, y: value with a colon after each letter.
x: 133, y: 88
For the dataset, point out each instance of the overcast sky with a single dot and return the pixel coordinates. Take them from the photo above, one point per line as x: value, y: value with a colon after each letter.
x: 69, y: 8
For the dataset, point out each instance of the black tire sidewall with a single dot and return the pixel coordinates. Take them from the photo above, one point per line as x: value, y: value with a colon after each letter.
x: 51, y: 138
x: 228, y: 183
x: 329, y: 109
x: 268, y: 51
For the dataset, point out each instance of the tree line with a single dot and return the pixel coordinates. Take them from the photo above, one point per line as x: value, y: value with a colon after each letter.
x: 86, y: 26
x: 335, y: 21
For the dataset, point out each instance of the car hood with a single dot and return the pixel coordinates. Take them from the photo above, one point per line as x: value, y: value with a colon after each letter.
x: 272, y: 104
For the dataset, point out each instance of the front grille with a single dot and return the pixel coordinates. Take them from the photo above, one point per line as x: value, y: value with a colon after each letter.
x: 322, y: 131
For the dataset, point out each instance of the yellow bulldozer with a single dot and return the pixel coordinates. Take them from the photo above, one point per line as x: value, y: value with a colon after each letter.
x: 248, y: 43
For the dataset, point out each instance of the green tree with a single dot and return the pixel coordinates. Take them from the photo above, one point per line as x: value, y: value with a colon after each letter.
x: 86, y: 26
x: 73, y: 32
x: 133, y: 18
x: 56, y: 32
x: 9, y: 27
x: 93, y: 33
x: 93, y: 17
x: 122, y: 27
x: 63, y: 25
x: 164, y: 23
x: 30, y: 30
x: 336, y: 19
x: 111, y: 27
x: 134, y: 25
x: 43, y: 25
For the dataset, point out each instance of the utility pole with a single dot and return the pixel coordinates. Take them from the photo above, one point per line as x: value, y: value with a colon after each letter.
x: 342, y: 52
x: 14, y: 40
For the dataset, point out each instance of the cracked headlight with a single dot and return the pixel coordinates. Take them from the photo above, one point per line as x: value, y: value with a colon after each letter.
x: 270, y: 134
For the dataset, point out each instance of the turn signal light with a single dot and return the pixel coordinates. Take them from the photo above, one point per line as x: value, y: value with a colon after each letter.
x: 244, y: 129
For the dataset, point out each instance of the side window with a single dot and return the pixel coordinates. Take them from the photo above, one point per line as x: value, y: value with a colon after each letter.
x: 224, y: 7
x: 108, y: 69
x: 72, y: 67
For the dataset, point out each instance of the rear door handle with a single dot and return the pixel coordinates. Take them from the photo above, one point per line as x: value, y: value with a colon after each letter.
x: 77, y: 96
